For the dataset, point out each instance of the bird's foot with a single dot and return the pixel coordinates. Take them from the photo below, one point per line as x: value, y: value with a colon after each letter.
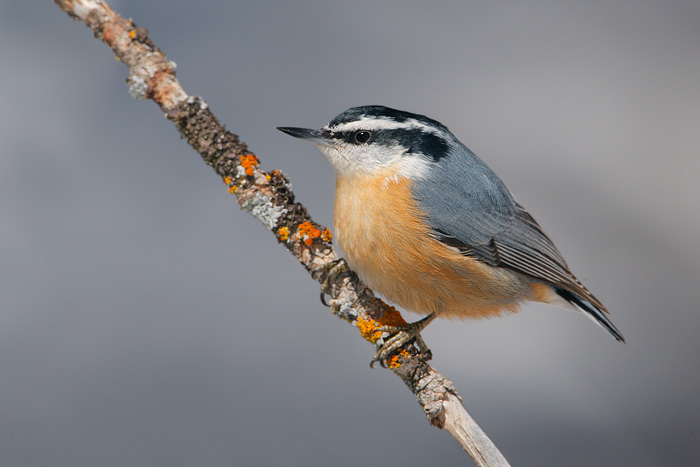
x: 329, y: 272
x: 402, y: 335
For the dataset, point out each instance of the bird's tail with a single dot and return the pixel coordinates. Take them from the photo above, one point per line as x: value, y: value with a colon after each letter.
x: 596, y: 314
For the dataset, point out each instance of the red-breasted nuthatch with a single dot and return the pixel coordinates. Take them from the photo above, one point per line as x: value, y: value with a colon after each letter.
x: 424, y: 222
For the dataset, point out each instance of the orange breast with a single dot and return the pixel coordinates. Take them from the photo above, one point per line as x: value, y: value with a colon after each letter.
x: 386, y: 241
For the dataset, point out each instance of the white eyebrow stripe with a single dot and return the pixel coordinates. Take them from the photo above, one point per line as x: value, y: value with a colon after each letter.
x: 382, y: 123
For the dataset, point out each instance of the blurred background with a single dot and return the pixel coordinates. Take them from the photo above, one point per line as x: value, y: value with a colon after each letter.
x: 145, y: 320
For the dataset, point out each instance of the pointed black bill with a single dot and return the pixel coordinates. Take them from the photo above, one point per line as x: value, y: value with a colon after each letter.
x: 314, y: 136
x: 303, y: 133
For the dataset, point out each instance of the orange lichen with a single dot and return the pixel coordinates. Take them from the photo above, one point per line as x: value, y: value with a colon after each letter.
x: 132, y: 34
x: 368, y: 329
x: 283, y: 232
x: 397, y: 360
x: 327, y: 235
x: 392, y: 318
x: 307, y: 232
x: 248, y: 162
x: 231, y: 187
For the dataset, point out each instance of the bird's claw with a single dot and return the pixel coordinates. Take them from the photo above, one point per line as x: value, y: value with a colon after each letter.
x: 329, y: 272
x: 401, y: 336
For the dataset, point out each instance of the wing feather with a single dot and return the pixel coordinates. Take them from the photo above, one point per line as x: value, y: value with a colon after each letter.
x: 469, y: 208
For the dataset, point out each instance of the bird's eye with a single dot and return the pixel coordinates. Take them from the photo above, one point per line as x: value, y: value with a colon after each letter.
x: 362, y: 137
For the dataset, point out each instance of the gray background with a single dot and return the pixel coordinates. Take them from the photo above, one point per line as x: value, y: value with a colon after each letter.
x: 144, y: 320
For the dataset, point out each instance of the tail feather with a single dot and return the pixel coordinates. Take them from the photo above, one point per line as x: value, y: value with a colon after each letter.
x: 597, y: 315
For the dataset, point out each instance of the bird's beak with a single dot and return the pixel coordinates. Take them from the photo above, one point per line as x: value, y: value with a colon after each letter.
x: 320, y: 137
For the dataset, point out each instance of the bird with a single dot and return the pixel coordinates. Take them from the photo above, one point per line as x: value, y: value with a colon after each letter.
x: 426, y: 223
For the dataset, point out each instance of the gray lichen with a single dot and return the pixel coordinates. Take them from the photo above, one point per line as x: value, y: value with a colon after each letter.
x: 262, y: 208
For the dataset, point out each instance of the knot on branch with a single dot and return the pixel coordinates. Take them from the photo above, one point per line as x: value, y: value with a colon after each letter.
x: 432, y: 390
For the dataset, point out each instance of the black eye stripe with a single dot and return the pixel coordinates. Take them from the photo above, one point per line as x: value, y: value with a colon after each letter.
x: 353, y: 137
x: 413, y: 139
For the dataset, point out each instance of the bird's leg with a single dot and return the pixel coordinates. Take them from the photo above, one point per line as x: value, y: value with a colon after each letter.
x: 402, y: 335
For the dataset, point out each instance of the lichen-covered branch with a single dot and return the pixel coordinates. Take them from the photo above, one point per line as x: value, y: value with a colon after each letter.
x: 268, y: 196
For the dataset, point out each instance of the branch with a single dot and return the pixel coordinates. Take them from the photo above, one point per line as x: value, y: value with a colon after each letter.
x: 268, y: 197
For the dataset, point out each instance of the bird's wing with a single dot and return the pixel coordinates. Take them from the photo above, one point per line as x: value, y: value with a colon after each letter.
x: 469, y: 208
x: 523, y: 247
